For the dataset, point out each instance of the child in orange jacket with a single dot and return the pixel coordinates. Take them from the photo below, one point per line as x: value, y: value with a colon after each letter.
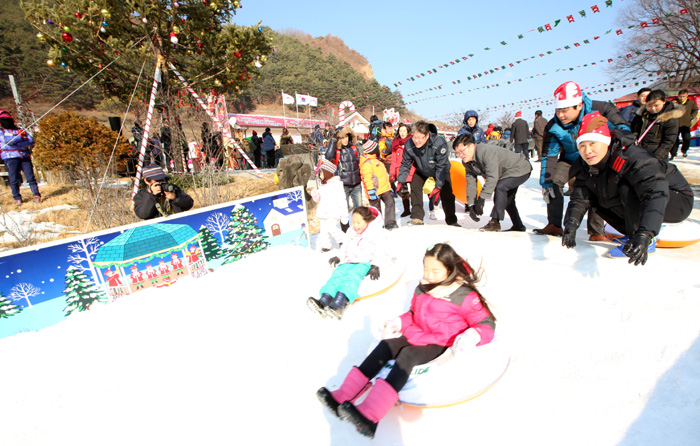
x: 376, y: 181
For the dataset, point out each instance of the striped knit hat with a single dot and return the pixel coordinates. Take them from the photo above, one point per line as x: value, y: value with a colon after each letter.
x: 154, y: 172
x: 328, y: 167
x: 594, y: 127
x: 369, y: 146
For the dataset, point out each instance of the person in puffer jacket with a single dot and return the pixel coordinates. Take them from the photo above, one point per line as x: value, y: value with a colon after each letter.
x: 376, y: 181
x: 360, y: 255
x: 332, y: 207
x: 16, y: 152
x: 346, y: 156
x: 447, y: 310
x: 471, y: 126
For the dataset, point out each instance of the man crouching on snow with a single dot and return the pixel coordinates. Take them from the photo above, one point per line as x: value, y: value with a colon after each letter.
x: 159, y: 198
x: 631, y: 189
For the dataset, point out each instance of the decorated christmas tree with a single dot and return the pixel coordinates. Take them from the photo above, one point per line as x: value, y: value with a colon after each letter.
x: 210, y: 244
x: 244, y: 235
x: 80, y: 291
x: 197, y: 36
x: 7, y: 307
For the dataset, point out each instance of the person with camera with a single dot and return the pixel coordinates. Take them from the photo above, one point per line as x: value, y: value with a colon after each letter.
x: 159, y: 198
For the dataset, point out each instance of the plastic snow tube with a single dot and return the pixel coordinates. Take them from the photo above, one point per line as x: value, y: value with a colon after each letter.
x: 671, y: 235
x: 458, y: 177
x: 455, y: 377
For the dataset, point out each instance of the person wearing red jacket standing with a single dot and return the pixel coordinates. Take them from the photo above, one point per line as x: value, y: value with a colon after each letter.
x: 446, y: 310
x: 397, y: 147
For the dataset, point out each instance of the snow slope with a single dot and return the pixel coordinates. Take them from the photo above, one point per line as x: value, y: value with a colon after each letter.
x: 602, y: 352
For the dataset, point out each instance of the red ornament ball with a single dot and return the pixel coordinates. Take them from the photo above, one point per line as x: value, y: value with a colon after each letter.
x: 237, y: 54
x: 78, y: 15
x: 67, y: 37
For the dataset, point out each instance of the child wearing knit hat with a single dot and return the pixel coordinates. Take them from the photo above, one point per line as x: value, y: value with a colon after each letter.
x: 375, y: 179
x: 332, y: 206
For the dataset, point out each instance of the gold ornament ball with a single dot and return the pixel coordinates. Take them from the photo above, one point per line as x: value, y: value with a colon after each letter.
x: 213, y: 6
x: 263, y: 58
x: 190, y: 52
x: 105, y: 13
x: 217, y: 82
x: 236, y: 4
x: 176, y: 29
x: 51, y: 63
x: 41, y: 37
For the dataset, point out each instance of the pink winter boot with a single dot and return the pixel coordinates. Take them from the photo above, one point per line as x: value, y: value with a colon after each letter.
x: 353, y: 386
x: 367, y: 414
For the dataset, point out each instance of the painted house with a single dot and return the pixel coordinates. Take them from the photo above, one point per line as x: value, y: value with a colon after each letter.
x: 284, y: 216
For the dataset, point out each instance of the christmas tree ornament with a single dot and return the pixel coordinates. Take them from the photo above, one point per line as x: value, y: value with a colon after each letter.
x: 49, y: 21
x: 263, y: 58
x: 236, y: 4
x: 105, y: 24
x: 260, y: 28
x: 51, y: 63
x: 190, y: 53
x: 41, y: 37
x: 144, y: 19
x: 274, y: 50
x: 64, y: 49
x: 173, y: 38
x: 78, y: 15
x: 67, y: 37
x: 103, y: 29
x: 176, y: 29
x: 217, y: 82
x: 63, y: 64
x: 176, y: 5
x: 105, y: 13
x: 66, y: 29
x: 258, y: 64
x: 237, y: 54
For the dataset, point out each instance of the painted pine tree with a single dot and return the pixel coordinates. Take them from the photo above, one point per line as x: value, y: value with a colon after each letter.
x: 244, y: 235
x: 7, y: 307
x: 210, y: 245
x: 80, y: 291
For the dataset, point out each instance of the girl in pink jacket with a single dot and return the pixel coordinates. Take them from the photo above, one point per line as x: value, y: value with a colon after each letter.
x: 446, y: 309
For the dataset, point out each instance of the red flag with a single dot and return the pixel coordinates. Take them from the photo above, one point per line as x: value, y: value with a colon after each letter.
x: 618, y: 32
x: 655, y: 21
x: 684, y: 11
x: 644, y: 24
x: 610, y: 60
x: 595, y: 8
x: 570, y: 18
x: 548, y: 27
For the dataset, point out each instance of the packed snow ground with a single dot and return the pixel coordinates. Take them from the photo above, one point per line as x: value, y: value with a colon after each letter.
x: 602, y: 352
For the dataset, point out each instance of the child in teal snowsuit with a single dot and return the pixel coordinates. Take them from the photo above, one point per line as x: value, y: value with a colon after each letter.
x: 357, y: 258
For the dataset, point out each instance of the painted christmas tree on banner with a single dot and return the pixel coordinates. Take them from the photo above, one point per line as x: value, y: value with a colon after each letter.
x: 80, y: 291
x: 244, y: 235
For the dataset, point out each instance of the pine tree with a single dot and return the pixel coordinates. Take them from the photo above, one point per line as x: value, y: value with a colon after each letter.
x: 80, y: 291
x: 7, y: 307
x: 244, y: 236
x: 210, y: 244
x: 196, y: 35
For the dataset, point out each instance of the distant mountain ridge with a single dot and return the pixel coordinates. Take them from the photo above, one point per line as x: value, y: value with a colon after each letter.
x: 336, y: 46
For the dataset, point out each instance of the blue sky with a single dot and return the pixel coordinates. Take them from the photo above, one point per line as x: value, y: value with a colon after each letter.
x: 404, y: 39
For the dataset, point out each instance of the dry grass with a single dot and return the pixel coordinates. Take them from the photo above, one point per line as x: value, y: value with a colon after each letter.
x: 116, y: 205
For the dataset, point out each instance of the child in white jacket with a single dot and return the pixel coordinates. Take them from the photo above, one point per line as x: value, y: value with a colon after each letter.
x: 332, y: 207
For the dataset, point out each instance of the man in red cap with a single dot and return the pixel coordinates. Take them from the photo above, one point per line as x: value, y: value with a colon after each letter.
x: 519, y: 135
x: 629, y: 187
x: 16, y: 153
x: 559, y: 152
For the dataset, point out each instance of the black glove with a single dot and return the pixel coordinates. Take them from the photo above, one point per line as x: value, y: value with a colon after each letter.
x: 473, y: 214
x: 569, y: 237
x: 479, y: 206
x: 373, y: 272
x: 637, y: 247
x: 333, y: 261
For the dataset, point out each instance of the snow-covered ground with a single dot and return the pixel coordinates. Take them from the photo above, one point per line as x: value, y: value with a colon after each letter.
x: 602, y: 352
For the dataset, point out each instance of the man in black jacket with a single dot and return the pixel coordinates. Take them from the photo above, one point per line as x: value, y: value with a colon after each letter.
x: 159, y: 199
x: 427, y: 152
x: 656, y: 124
x: 631, y: 189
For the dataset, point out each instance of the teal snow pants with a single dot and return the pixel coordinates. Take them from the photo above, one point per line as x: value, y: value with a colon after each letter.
x: 346, y: 278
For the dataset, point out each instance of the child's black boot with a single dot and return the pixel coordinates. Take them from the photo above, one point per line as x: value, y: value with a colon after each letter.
x: 337, y: 307
x: 319, y: 306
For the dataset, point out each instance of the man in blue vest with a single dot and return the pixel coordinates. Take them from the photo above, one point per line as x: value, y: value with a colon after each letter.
x: 559, y: 152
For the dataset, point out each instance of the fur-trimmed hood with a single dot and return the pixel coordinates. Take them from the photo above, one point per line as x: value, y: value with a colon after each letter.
x: 347, y: 130
x: 670, y: 111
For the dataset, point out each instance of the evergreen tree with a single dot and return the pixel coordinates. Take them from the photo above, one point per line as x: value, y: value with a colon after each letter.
x: 210, y: 244
x: 80, y: 291
x: 197, y: 36
x: 7, y: 307
x: 244, y: 236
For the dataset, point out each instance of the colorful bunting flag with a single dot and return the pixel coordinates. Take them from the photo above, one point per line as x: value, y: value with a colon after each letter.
x: 570, y: 18
x: 583, y: 13
x: 595, y: 9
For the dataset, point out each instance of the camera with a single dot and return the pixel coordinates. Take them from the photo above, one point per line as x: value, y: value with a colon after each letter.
x: 166, y: 187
